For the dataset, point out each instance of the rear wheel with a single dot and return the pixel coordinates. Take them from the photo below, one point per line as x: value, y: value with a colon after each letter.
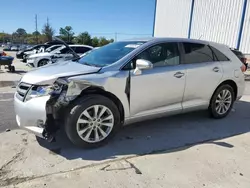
x: 222, y: 102
x: 42, y: 62
x: 92, y: 121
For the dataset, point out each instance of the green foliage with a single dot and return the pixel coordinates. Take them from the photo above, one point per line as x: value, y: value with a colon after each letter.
x: 66, y: 34
x: 84, y: 38
x: 48, y: 31
x: 95, y: 42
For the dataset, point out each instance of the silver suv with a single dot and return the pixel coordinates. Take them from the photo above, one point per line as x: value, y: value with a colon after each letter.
x: 128, y: 81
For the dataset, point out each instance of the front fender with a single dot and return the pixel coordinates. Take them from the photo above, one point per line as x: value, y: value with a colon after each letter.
x: 113, y: 82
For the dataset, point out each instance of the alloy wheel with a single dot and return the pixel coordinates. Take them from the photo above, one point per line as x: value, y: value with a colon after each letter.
x: 223, y: 102
x: 95, y: 123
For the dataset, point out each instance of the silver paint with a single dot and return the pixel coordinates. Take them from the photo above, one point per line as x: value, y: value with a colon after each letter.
x: 154, y: 92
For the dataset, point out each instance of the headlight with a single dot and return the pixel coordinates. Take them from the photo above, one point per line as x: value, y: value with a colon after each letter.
x: 38, y: 91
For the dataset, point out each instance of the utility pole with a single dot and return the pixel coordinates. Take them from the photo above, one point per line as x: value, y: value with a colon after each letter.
x: 115, y: 36
x: 36, y: 30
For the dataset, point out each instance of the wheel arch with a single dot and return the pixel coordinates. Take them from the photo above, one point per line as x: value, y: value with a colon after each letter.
x: 111, y: 96
x: 232, y: 84
x: 43, y: 58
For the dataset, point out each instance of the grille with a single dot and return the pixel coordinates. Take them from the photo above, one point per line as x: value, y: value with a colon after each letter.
x: 22, y: 90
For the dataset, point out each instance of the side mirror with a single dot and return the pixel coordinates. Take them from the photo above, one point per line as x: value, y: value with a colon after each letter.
x: 142, y: 64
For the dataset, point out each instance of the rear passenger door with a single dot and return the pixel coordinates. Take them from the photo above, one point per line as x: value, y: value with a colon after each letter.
x: 204, y: 73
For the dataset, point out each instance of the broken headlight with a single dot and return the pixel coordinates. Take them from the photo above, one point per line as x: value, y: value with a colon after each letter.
x: 38, y: 91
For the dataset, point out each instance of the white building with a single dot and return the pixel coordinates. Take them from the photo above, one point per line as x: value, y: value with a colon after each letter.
x: 223, y: 21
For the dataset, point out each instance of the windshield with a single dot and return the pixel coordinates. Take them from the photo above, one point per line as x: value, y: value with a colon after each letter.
x: 58, y: 50
x: 109, y: 54
x: 50, y: 49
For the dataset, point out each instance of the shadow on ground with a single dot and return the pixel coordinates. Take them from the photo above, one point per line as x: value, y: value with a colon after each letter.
x: 181, y: 131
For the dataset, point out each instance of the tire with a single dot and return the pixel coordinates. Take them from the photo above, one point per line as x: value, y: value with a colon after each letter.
x: 12, y: 69
x: 214, y: 104
x: 42, y: 62
x: 85, y: 104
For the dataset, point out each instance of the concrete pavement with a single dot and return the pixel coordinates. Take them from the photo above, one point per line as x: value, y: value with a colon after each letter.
x: 180, y: 151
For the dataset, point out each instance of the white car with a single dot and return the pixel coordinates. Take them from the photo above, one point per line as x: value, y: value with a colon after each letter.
x: 41, y: 59
x: 54, y: 47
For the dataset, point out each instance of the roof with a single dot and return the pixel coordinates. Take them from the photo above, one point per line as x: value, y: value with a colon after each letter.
x: 79, y: 45
x: 167, y: 39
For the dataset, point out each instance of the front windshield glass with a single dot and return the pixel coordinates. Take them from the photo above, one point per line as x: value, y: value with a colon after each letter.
x: 109, y: 54
x: 58, y: 50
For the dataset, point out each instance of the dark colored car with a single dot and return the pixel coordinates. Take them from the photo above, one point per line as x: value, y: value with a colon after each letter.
x: 241, y: 56
x: 20, y: 54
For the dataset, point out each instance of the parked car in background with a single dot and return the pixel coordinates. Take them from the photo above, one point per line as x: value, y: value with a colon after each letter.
x: 128, y: 81
x: 7, y: 48
x: 241, y: 56
x: 14, y: 48
x: 52, y: 48
x: 22, y: 54
x: 41, y: 59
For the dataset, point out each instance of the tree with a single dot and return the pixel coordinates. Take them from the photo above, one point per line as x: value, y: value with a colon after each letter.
x: 84, y: 38
x: 95, y: 42
x: 103, y: 41
x: 36, y: 33
x: 111, y: 40
x: 20, y: 34
x: 67, y: 33
x: 5, y: 37
x: 48, y: 31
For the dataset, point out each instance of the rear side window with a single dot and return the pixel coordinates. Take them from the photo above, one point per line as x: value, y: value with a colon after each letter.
x: 197, y: 53
x: 81, y: 50
x: 219, y: 55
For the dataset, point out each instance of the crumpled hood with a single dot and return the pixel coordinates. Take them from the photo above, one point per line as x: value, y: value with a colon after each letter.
x: 49, y: 73
x: 45, y: 54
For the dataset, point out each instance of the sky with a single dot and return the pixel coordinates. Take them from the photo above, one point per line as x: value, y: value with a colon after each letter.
x: 98, y: 17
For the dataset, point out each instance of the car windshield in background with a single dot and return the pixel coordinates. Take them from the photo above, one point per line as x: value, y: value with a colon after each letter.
x: 109, y: 54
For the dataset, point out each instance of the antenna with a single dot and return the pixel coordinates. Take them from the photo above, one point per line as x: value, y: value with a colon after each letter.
x: 36, y: 29
x: 200, y: 37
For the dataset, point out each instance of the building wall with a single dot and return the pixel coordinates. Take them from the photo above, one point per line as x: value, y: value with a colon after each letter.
x: 245, y: 40
x: 212, y: 20
x: 217, y: 20
x: 172, y: 18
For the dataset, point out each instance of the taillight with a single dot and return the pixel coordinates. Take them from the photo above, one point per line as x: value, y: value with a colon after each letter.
x: 243, y: 68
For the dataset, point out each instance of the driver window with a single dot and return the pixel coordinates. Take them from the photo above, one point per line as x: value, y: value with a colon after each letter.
x: 165, y: 54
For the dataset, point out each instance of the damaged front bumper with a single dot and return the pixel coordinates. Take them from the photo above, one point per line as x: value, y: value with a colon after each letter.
x: 31, y: 115
x: 42, y: 115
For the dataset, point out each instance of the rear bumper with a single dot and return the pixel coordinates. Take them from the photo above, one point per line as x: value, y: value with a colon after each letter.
x: 31, y: 115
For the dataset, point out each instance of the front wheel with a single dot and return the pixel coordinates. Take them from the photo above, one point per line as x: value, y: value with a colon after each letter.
x: 222, y: 102
x: 93, y: 120
x: 42, y: 62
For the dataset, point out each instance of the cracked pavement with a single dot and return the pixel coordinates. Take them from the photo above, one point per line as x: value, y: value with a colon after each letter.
x: 189, y: 150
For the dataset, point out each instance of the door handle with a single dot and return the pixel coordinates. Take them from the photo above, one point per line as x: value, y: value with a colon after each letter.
x: 178, y: 74
x: 216, y: 69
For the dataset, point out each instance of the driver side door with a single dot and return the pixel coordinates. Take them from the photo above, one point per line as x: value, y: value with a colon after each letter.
x: 160, y: 89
